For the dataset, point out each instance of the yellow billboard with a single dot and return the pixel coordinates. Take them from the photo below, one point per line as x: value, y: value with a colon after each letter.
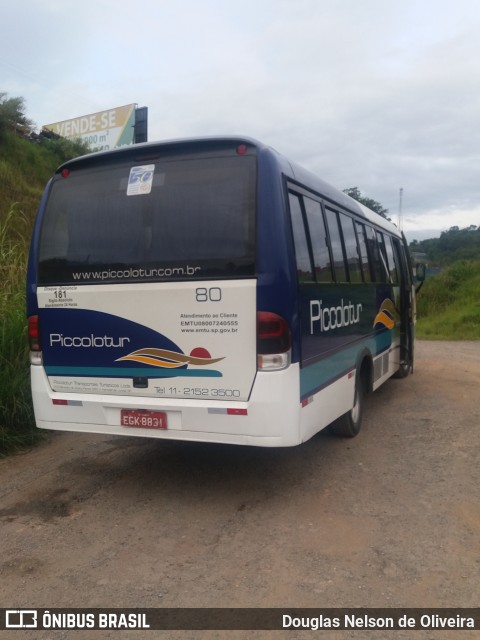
x: 102, y: 130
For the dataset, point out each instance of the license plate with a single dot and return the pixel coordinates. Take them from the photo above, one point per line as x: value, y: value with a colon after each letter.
x: 143, y: 419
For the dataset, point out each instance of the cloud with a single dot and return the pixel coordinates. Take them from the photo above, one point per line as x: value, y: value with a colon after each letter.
x: 370, y: 94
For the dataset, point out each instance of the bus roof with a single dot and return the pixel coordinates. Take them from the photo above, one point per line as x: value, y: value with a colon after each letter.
x: 291, y: 169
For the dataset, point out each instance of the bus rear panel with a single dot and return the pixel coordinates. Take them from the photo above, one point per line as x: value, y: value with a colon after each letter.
x: 143, y: 299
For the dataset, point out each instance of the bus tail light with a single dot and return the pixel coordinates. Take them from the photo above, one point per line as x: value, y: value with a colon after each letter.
x: 273, y: 342
x: 34, y: 340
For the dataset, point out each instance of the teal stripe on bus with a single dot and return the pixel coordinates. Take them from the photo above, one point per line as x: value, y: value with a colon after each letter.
x: 315, y: 377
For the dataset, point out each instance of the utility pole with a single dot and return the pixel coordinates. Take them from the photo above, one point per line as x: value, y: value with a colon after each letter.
x: 400, y: 198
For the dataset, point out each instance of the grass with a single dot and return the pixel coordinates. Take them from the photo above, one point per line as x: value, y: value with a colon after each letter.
x: 17, y: 427
x: 448, y: 305
x: 25, y: 167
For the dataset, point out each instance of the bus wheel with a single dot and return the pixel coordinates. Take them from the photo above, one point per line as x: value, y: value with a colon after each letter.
x: 348, y: 425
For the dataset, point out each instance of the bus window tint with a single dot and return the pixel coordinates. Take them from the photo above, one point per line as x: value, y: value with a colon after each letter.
x: 383, y: 256
x: 318, y: 236
x: 351, y: 248
x: 401, y: 261
x: 362, y: 244
x: 392, y: 267
x: 378, y: 268
x: 199, y: 212
x: 302, y: 254
x: 336, y: 244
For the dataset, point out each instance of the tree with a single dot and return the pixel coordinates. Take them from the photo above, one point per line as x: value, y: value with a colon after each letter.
x: 356, y: 194
x: 452, y: 245
x: 12, y: 115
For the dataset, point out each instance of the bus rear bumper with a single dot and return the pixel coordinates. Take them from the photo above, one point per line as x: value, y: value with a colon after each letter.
x: 270, y: 418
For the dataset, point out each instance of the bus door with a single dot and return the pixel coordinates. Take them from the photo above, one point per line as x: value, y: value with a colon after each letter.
x: 406, y: 308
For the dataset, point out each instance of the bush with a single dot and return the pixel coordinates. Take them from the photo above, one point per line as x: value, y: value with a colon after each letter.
x: 448, y: 307
x: 17, y: 427
x: 25, y: 166
x: 12, y: 116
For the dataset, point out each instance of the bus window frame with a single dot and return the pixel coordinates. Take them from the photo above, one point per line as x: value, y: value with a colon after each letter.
x: 360, y: 230
x: 343, y: 215
x: 295, y: 194
x: 327, y: 241
x: 395, y: 266
x: 330, y: 208
x: 378, y: 268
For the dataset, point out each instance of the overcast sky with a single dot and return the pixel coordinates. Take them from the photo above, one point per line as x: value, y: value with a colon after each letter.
x: 378, y: 94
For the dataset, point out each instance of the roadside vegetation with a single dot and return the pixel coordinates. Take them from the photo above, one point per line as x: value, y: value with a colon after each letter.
x: 16, y: 421
x: 448, y: 305
x: 452, y: 245
x: 27, y: 161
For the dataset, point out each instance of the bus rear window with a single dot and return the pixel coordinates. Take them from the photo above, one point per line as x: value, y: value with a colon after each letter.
x: 179, y: 218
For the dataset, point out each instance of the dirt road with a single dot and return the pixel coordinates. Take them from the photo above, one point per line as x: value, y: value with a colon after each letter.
x: 388, y: 519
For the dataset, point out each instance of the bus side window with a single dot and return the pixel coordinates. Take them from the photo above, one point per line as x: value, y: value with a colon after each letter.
x: 401, y: 261
x: 318, y: 236
x: 351, y: 248
x: 336, y: 245
x: 378, y: 268
x: 302, y: 253
x: 362, y: 243
x: 383, y: 257
x: 392, y: 267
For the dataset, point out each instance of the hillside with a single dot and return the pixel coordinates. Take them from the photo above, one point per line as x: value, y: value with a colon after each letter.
x: 25, y: 167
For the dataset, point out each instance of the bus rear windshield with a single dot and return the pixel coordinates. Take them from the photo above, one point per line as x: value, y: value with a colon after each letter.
x: 167, y: 219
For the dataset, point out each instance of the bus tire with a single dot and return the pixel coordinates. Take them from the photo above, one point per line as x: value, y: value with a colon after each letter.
x: 348, y: 425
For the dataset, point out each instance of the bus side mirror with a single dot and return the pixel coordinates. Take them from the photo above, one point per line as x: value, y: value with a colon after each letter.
x: 420, y: 272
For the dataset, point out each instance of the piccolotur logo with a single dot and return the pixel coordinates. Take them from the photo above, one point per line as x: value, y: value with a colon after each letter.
x: 99, y: 342
x: 387, y: 314
x: 328, y: 318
